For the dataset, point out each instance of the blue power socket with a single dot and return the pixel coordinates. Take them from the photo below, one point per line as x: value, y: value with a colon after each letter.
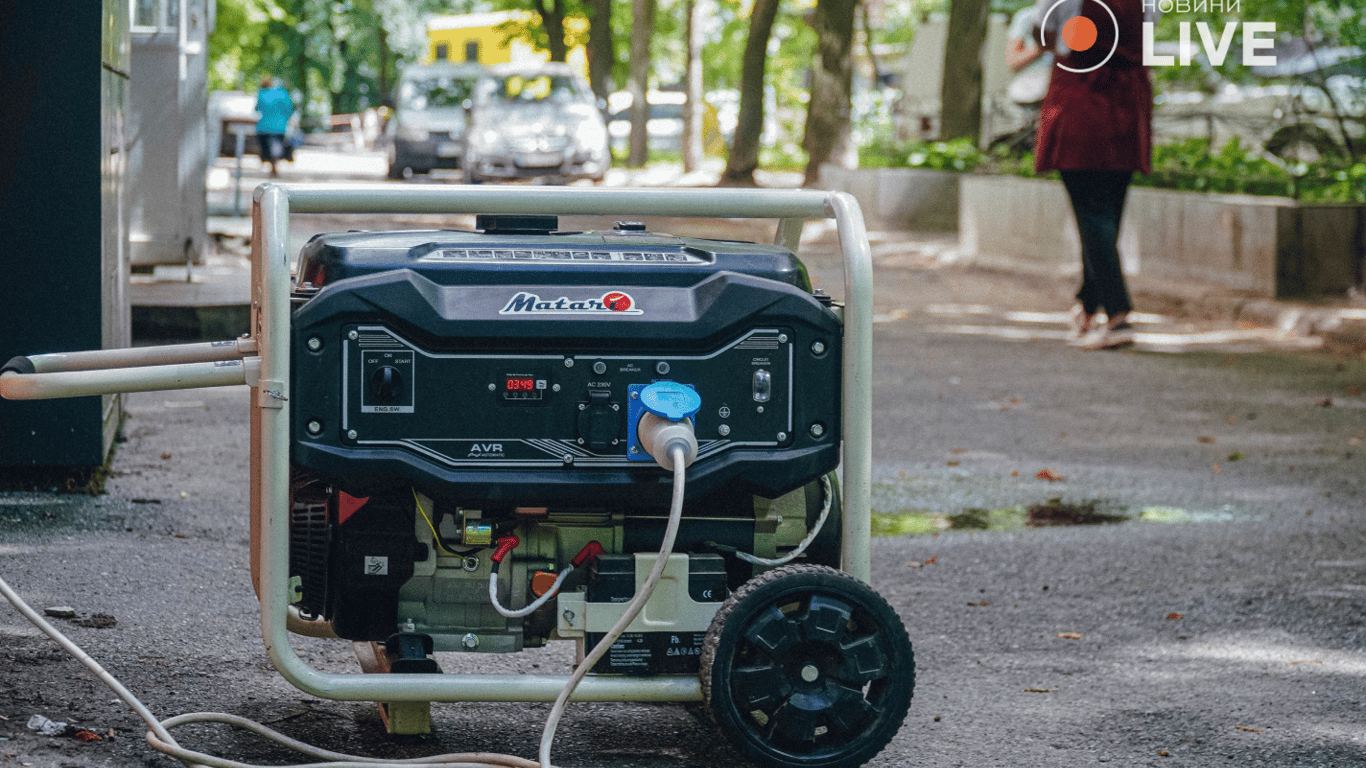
x: 635, y: 408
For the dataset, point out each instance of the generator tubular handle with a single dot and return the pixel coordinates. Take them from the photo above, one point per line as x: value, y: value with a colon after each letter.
x: 136, y: 369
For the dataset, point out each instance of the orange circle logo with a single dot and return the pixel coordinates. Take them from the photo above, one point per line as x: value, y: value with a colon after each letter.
x: 1080, y: 34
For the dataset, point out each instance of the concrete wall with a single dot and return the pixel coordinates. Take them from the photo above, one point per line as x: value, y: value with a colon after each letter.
x: 63, y: 202
x: 1263, y: 246
x: 899, y: 198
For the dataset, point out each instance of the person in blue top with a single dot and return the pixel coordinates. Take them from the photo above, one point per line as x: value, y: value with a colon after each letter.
x: 275, y: 106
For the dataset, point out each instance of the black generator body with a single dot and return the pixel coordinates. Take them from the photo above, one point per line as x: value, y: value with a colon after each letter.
x: 454, y: 387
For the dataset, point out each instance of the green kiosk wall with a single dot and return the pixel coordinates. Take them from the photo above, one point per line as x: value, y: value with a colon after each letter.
x: 63, y: 231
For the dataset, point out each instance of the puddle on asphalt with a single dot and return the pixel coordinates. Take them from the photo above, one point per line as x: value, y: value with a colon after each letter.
x: 1054, y: 512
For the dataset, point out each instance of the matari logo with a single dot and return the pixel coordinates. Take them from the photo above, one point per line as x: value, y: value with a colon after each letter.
x: 612, y: 302
x: 1079, y: 33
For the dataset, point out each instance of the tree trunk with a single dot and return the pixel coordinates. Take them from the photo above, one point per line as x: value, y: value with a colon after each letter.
x: 600, y: 53
x: 638, y: 84
x: 552, y: 19
x: 832, y: 80
x: 960, y: 96
x: 692, y: 108
x: 749, y: 126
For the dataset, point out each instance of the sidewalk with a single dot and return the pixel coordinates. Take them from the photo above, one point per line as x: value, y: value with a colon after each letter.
x: 212, y: 298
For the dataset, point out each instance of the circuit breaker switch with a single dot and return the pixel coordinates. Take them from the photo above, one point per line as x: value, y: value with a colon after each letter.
x: 762, y: 386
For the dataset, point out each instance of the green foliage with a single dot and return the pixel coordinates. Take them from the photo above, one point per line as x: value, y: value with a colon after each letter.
x: 335, y: 55
x: 1191, y: 165
x: 956, y: 155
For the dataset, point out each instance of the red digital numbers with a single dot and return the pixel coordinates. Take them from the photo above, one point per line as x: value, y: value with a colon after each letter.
x: 520, y: 385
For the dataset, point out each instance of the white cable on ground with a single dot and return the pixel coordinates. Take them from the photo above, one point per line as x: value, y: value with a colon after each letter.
x: 159, y: 737
x: 677, y: 455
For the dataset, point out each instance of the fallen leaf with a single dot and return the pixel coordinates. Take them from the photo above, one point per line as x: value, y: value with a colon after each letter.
x: 932, y: 560
x: 1174, y: 616
x: 1038, y: 690
x: 1071, y: 635
x: 1236, y: 456
x: 953, y: 463
x: 1253, y: 730
x: 1216, y: 469
x: 982, y: 604
x: 958, y: 450
x: 1308, y: 661
x: 165, y: 456
x: 1015, y: 473
x: 1207, y: 440
x: 1326, y: 402
x: 1049, y: 475
x: 86, y: 736
x: 1164, y: 753
x: 915, y: 564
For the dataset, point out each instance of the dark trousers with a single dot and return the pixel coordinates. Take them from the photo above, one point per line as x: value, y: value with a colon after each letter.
x: 1098, y: 203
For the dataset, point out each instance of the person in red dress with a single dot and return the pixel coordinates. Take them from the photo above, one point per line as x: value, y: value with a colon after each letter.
x: 1095, y: 129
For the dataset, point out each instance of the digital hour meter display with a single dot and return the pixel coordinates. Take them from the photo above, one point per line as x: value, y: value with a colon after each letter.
x: 523, y: 388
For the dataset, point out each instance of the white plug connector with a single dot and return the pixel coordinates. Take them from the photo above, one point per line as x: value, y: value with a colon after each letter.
x: 658, y: 436
x: 666, y: 423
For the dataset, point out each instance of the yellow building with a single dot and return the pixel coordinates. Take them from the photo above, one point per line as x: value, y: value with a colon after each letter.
x: 497, y: 38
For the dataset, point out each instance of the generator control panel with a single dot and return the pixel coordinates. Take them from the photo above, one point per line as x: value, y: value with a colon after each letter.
x: 523, y: 380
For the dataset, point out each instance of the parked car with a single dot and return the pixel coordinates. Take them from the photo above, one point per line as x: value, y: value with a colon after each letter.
x: 535, y: 121
x: 1294, y: 120
x: 427, y: 128
x: 665, y: 125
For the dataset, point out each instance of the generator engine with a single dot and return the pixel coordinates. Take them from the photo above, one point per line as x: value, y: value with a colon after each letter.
x: 470, y: 400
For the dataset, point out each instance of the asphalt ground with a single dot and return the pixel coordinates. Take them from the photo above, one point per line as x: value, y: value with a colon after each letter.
x: 1220, y: 625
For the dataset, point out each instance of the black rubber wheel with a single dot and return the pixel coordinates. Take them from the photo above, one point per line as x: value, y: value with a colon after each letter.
x: 807, y: 666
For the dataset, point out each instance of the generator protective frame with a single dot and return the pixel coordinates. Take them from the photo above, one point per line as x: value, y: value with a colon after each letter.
x: 262, y: 360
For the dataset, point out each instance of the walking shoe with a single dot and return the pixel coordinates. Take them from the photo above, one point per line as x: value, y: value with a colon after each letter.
x: 1078, y: 323
x: 1107, y: 337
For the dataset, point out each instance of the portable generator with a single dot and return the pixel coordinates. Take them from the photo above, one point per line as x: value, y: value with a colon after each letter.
x: 478, y: 442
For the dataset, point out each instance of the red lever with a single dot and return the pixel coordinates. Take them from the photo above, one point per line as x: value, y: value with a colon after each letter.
x: 505, y: 545
x: 590, y: 551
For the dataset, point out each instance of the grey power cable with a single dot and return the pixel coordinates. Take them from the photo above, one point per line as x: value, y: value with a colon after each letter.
x: 678, y: 458
x: 829, y: 496
x: 159, y: 736
x: 673, y: 446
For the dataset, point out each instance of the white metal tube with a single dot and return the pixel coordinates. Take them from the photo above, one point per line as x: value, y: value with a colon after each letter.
x: 857, y: 485
x: 97, y: 359
x: 604, y: 201
x: 82, y: 383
